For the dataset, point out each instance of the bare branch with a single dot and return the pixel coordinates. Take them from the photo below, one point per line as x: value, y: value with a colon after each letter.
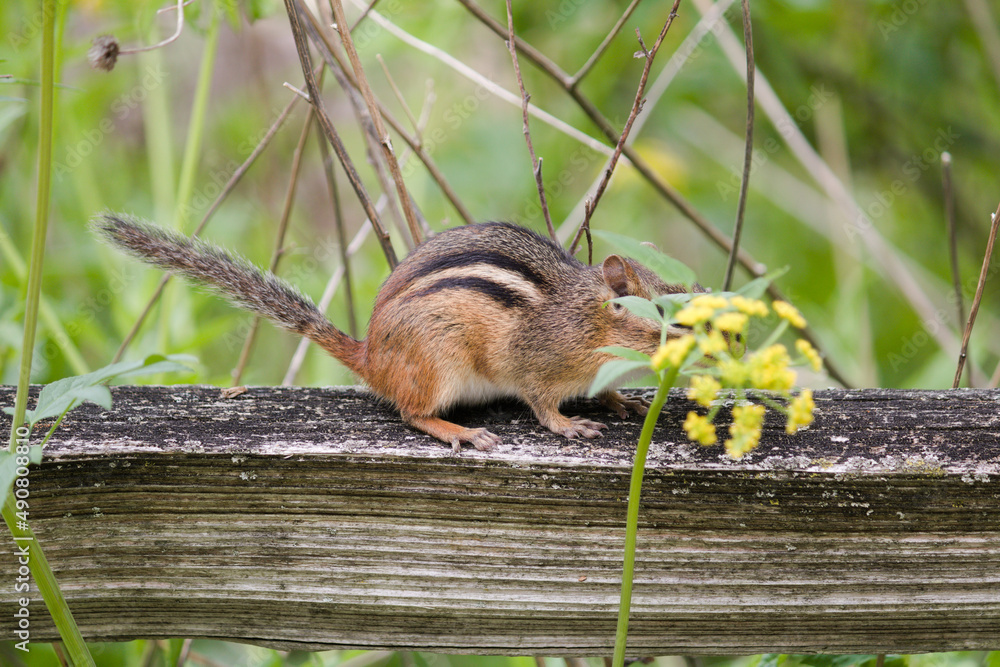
x: 340, y: 224
x: 596, y: 55
x: 386, y: 143
x: 727, y: 282
x: 302, y: 47
x: 396, y: 91
x: 335, y: 64
x: 648, y: 55
x: 984, y: 272
x: 536, y: 163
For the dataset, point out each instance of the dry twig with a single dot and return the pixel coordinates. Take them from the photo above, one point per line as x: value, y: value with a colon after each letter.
x: 983, y: 273
x: 727, y: 282
x: 305, y: 59
x: 536, y: 162
x: 384, y: 141
x: 334, y: 63
x: 648, y: 55
x: 599, y: 51
x: 339, y: 223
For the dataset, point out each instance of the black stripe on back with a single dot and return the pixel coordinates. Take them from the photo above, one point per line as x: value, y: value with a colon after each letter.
x: 502, y: 294
x: 469, y: 258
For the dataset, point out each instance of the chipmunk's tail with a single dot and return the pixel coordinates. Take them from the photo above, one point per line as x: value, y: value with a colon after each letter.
x: 233, y: 277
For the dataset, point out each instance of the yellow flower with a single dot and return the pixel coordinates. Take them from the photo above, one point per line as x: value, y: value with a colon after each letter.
x: 745, y: 429
x: 733, y: 323
x: 810, y: 353
x: 703, y: 390
x: 692, y: 315
x: 749, y: 306
x: 769, y: 369
x: 712, y: 301
x: 788, y: 312
x: 673, y: 352
x: 699, y: 429
x: 712, y: 343
x: 800, y: 411
x: 734, y: 373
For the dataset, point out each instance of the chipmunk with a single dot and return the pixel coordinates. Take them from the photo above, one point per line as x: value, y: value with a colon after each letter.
x: 476, y: 312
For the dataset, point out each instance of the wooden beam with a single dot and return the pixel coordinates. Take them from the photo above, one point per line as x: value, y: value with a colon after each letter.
x: 313, y: 519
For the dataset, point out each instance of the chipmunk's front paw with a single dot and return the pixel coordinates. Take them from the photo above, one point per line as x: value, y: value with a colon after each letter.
x: 479, y: 438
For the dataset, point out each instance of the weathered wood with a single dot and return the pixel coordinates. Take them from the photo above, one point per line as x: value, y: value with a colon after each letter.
x: 313, y: 518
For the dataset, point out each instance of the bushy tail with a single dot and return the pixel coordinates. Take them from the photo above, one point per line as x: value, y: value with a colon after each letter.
x: 233, y: 277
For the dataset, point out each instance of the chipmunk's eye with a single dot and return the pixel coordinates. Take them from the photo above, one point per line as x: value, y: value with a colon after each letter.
x: 659, y: 309
x: 617, y: 307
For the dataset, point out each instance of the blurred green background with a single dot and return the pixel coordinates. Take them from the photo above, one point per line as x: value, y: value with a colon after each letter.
x: 877, y: 90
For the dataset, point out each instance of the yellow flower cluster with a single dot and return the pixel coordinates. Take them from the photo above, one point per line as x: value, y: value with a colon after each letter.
x: 787, y: 311
x: 745, y: 429
x: 673, y: 352
x: 699, y: 429
x: 769, y: 369
x: 752, y: 307
x: 717, y: 322
x: 806, y: 349
x: 800, y: 411
x: 703, y: 390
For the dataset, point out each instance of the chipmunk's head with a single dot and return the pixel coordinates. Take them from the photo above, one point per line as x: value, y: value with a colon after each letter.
x: 627, y: 277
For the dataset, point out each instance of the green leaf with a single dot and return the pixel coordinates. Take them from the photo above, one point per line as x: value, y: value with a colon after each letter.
x: 670, y: 270
x: 67, y: 393
x: 756, y: 288
x: 612, y: 371
x: 625, y: 352
x: 641, y: 307
x: 671, y: 303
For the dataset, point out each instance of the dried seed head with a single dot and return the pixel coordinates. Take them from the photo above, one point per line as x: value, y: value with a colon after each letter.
x: 104, y: 53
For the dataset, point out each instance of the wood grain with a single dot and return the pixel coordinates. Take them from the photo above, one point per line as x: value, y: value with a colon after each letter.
x: 312, y: 518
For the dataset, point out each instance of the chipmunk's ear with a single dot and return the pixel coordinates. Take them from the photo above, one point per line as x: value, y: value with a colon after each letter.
x: 618, y: 275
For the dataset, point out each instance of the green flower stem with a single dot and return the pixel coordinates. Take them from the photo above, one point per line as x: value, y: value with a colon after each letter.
x: 667, y: 381
x: 40, y: 571
x: 775, y: 335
